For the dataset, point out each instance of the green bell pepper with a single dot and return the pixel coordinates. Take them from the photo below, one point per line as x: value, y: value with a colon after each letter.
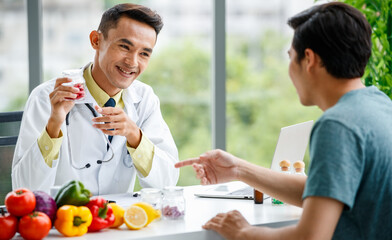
x: 72, y: 193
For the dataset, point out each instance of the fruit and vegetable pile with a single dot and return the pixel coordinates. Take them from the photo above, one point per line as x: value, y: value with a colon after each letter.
x: 72, y: 212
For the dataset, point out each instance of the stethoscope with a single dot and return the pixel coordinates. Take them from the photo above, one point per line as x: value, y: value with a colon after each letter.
x: 107, y: 140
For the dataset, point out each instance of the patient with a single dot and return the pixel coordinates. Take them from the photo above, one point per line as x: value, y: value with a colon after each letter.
x: 350, y: 145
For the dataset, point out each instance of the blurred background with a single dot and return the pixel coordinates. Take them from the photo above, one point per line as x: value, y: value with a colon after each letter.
x: 260, y: 98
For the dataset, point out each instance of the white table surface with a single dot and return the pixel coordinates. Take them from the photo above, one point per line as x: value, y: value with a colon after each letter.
x: 198, y: 211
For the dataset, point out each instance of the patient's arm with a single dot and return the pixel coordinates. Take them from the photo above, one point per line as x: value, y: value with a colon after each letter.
x: 285, y: 187
x: 218, y: 166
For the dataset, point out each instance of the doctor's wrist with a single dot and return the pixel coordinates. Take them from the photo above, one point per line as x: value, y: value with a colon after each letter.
x: 134, y: 138
x: 53, y: 128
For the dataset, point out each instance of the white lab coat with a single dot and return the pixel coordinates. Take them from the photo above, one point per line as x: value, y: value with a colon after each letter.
x: 89, y: 145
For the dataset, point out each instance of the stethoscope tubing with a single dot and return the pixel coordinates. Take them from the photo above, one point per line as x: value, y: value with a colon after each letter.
x: 69, y: 145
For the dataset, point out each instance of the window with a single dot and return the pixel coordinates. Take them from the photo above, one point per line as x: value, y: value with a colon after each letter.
x: 66, y: 29
x: 180, y: 73
x: 260, y: 96
x: 14, y: 68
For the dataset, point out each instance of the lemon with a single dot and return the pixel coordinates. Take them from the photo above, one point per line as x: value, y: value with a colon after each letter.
x: 135, y: 217
x: 152, y: 213
x: 118, y: 212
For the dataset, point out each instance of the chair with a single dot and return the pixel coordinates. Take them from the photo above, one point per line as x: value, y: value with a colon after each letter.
x: 9, y: 131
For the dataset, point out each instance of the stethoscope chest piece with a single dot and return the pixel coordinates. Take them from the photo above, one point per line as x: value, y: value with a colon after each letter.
x: 128, y: 162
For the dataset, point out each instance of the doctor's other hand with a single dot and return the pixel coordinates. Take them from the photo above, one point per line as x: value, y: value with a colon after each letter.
x: 115, y: 121
x: 231, y: 225
x: 61, y: 103
x: 216, y: 166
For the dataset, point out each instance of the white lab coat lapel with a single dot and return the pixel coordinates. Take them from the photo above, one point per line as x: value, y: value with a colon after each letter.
x: 130, y: 98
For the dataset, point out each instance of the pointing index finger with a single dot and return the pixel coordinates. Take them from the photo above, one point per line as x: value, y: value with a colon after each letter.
x: 187, y: 162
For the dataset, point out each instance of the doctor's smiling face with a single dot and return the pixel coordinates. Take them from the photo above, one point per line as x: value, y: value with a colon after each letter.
x: 122, y: 55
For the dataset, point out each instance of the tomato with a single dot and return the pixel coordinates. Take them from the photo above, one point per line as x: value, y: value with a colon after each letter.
x: 8, y: 224
x: 34, y: 226
x: 20, y: 202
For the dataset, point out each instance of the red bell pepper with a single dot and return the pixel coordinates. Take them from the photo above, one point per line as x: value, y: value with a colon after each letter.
x: 103, y: 216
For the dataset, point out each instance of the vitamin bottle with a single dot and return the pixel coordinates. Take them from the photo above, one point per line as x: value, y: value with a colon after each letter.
x: 77, y: 81
x: 173, y: 203
x: 152, y: 196
x: 284, y: 168
x: 258, y: 196
x: 299, y: 168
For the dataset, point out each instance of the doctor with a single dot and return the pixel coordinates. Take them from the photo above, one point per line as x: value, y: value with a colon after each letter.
x: 116, y: 132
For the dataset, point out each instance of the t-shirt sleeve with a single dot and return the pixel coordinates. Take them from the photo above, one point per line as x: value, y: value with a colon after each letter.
x: 336, y: 163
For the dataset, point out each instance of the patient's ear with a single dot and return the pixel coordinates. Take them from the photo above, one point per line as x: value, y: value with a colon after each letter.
x: 94, y: 39
x: 312, y: 60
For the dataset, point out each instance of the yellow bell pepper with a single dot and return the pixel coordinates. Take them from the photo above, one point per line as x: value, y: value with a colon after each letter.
x: 73, y: 221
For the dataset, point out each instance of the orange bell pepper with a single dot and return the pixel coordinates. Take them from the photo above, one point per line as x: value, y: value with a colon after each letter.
x: 73, y: 221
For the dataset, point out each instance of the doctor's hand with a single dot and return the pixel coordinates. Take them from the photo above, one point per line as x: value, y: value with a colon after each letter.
x: 61, y: 103
x: 231, y: 225
x: 115, y: 121
x: 213, y: 167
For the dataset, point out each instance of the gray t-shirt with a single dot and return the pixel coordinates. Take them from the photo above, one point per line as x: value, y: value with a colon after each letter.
x: 351, y: 161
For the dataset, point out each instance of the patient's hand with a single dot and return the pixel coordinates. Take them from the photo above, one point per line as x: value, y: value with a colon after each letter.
x: 213, y: 167
x: 231, y: 225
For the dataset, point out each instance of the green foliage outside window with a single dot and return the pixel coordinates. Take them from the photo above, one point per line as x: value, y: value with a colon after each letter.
x: 260, y: 96
x: 379, y: 69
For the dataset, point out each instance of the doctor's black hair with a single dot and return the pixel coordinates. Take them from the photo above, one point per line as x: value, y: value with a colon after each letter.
x: 338, y: 33
x: 136, y: 12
